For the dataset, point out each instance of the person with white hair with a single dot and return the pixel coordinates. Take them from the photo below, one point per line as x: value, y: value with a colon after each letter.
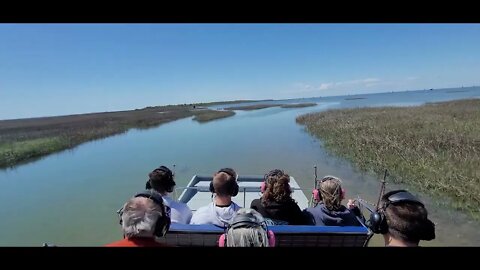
x: 143, y: 218
x: 247, y: 229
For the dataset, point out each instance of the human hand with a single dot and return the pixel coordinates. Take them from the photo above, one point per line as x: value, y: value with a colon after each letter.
x: 351, y: 204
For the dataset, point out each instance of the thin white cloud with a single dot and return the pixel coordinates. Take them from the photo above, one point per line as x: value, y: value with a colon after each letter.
x: 371, y: 80
x: 325, y: 86
x: 301, y: 87
x: 361, y: 81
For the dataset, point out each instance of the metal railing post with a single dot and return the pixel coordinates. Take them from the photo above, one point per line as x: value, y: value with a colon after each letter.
x: 244, y: 196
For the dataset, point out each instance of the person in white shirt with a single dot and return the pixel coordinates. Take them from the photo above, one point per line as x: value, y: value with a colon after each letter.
x: 161, y: 180
x: 222, y: 210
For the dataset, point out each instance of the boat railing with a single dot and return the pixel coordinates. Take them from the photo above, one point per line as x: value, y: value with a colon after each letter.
x: 286, y: 235
x: 242, y: 190
x: 207, y: 235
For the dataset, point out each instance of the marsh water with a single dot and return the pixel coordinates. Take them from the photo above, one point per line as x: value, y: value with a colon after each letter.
x: 70, y: 198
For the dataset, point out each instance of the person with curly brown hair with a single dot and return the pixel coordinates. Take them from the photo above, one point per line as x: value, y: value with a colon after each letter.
x: 276, y: 202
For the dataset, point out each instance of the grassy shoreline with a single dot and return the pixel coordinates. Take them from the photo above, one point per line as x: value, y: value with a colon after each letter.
x: 24, y: 140
x: 434, y: 148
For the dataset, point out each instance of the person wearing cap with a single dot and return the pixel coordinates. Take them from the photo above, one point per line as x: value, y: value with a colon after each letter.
x: 222, y: 210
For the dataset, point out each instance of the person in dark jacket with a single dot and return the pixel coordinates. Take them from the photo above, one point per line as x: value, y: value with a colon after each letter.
x: 329, y: 211
x: 276, y: 202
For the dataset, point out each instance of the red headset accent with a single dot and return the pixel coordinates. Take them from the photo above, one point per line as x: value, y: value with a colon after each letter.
x: 263, y: 186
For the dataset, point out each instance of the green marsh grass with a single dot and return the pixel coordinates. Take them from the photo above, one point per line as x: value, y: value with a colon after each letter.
x: 435, y: 147
x: 23, y: 140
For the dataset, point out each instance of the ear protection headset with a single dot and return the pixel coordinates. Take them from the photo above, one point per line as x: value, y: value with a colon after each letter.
x: 163, y: 223
x: 316, y: 192
x: 232, y: 185
x: 170, y: 183
x: 246, y: 220
x: 275, y: 172
x: 378, y: 221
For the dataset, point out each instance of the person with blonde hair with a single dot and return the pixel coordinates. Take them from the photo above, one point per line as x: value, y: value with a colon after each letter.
x: 329, y: 211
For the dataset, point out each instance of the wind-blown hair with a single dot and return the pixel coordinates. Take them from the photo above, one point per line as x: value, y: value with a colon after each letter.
x: 277, y: 188
x: 254, y: 236
x: 139, y: 217
x: 331, y: 192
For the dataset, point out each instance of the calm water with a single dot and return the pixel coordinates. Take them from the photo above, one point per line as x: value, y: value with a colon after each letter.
x: 70, y: 198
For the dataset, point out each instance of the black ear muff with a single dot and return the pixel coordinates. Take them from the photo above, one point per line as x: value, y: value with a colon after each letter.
x: 235, y: 188
x: 148, y: 185
x: 163, y: 223
x: 378, y: 222
x: 120, y: 213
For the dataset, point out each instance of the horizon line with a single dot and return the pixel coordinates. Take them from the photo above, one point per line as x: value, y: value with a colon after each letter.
x: 238, y: 100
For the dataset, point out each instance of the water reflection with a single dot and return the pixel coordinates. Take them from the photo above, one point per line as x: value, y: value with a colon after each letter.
x: 70, y: 198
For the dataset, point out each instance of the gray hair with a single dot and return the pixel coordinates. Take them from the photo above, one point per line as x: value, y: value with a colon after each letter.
x: 139, y: 217
x: 248, y: 236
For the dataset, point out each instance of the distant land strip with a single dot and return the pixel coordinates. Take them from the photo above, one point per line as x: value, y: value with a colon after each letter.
x: 263, y: 106
x: 25, y: 140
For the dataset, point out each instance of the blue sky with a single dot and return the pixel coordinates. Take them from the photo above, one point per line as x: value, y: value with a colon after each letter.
x: 56, y: 69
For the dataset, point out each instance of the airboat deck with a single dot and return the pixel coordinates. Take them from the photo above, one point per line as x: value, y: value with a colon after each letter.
x: 197, y: 194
